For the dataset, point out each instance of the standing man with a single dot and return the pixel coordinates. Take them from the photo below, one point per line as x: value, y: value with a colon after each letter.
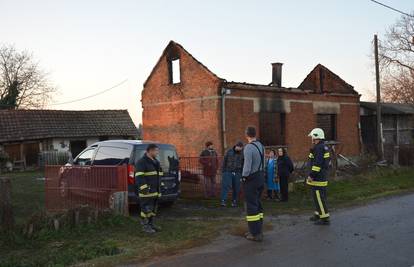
x: 319, y: 161
x: 209, y: 161
x: 253, y: 184
x: 147, y: 178
x: 232, y: 170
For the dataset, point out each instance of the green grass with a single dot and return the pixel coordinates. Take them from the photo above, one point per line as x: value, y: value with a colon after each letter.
x: 189, y: 223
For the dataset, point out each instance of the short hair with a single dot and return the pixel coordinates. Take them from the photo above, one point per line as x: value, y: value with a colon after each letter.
x: 151, y: 147
x: 251, y: 131
x: 208, y: 143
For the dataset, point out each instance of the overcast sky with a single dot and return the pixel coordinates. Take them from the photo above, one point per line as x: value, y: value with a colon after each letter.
x: 88, y: 46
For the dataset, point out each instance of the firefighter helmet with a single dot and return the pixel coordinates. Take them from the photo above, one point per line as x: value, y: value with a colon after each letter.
x: 317, y: 133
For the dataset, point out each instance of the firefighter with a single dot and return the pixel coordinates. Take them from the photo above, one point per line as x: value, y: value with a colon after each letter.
x: 147, y: 177
x: 253, y: 184
x: 319, y: 159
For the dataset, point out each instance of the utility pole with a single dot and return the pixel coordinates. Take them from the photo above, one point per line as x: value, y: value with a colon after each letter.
x: 379, y: 123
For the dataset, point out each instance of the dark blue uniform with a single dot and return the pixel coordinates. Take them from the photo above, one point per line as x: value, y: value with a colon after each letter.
x: 147, y: 179
x: 319, y: 159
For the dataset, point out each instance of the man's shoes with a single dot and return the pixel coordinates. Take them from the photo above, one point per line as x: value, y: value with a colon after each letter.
x: 223, y: 203
x: 322, y: 222
x: 256, y: 238
x: 314, y: 218
x: 234, y: 204
x: 153, y: 226
x: 146, y: 228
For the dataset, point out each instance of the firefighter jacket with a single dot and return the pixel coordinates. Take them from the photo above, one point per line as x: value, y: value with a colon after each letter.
x: 319, y: 159
x: 147, y: 177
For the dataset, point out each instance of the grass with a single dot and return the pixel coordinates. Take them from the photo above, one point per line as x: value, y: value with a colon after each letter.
x: 189, y: 223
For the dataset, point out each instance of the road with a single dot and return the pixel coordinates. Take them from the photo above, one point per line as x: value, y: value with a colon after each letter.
x: 378, y: 234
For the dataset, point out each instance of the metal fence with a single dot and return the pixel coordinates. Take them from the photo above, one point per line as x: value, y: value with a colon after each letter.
x: 99, y: 187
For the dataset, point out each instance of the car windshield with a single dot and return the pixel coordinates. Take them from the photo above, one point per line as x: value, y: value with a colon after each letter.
x: 168, y: 159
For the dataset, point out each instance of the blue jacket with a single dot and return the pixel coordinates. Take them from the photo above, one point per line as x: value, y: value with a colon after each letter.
x: 319, y: 159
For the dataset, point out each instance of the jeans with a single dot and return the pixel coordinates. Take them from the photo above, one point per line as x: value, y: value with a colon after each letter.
x: 230, y: 180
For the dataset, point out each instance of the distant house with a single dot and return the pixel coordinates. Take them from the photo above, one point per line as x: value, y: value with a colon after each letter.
x: 25, y: 133
x: 397, y: 124
x: 186, y: 104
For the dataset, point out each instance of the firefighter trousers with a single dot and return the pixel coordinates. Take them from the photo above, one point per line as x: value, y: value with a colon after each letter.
x: 320, y: 200
x: 253, y: 189
x: 148, y: 207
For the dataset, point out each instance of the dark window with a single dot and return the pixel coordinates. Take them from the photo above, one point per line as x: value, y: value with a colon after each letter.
x: 109, y: 155
x: 168, y: 159
x: 85, y: 157
x: 327, y: 122
x: 174, y: 71
x: 272, y: 128
x: 77, y: 146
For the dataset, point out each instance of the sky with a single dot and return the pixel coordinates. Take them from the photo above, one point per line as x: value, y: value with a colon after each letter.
x: 89, y: 46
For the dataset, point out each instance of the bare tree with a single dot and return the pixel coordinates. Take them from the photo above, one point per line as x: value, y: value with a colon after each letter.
x: 22, y: 83
x: 397, y: 61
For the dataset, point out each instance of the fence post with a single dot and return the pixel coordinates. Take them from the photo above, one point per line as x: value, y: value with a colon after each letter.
x: 6, y: 210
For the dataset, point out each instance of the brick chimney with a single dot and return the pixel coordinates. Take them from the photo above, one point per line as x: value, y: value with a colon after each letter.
x: 277, y: 74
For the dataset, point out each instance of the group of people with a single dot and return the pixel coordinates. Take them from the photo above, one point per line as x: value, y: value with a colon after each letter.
x: 243, y: 166
x: 278, y: 168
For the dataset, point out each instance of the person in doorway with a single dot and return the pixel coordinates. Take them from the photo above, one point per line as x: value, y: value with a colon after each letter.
x: 147, y: 178
x: 209, y: 161
x: 271, y: 176
x: 232, y: 170
x: 253, y: 177
x: 284, y: 169
x: 319, y: 161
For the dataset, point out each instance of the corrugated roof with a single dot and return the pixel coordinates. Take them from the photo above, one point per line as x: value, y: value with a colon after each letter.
x: 17, y: 125
x: 390, y: 108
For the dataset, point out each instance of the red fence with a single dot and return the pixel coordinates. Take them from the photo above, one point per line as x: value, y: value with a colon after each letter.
x: 103, y: 187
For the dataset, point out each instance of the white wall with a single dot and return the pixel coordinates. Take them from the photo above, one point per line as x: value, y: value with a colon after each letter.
x: 66, y: 142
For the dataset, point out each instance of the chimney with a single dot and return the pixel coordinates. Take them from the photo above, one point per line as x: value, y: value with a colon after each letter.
x: 277, y: 74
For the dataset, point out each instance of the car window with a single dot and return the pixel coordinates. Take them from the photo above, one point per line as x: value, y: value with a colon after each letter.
x: 85, y: 157
x: 168, y: 159
x: 110, y: 155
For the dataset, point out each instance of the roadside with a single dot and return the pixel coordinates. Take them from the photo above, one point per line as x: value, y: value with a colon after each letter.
x: 188, y: 224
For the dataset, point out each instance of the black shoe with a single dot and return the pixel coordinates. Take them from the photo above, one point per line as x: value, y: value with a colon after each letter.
x: 234, y: 204
x: 322, y: 222
x: 223, y: 203
x: 256, y: 238
x: 146, y: 228
x: 314, y: 218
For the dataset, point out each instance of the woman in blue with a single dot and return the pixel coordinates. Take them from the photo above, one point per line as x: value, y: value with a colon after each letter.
x: 271, y: 176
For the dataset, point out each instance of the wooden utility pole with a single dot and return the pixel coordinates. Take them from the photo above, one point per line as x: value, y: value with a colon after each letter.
x: 380, y: 144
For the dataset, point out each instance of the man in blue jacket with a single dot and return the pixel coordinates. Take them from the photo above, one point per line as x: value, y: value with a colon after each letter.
x: 319, y: 159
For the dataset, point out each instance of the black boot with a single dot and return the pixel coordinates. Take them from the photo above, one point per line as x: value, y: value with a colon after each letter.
x: 146, y: 227
x: 153, y: 226
x: 314, y: 218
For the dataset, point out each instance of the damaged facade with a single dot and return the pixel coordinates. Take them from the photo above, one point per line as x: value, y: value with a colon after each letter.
x: 186, y: 104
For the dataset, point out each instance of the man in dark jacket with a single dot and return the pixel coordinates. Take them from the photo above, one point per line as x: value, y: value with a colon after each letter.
x: 284, y: 169
x: 209, y: 161
x: 232, y: 170
x: 147, y: 178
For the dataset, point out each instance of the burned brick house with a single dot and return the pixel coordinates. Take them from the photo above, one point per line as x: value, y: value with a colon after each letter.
x: 186, y: 104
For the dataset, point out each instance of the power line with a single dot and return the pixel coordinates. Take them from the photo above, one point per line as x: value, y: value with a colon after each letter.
x: 90, y: 96
x: 390, y: 7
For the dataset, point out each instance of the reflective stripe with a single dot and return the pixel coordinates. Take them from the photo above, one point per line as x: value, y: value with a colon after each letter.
x: 261, y: 215
x: 147, y: 215
x: 148, y: 195
x: 316, y: 183
x: 311, y: 156
x: 148, y: 173
x: 326, y: 155
x: 253, y: 218
x: 143, y: 186
x: 316, y: 168
x: 159, y: 194
x: 323, y: 214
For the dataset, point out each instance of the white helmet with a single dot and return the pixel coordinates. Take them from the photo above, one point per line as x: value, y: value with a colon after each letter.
x: 317, y: 133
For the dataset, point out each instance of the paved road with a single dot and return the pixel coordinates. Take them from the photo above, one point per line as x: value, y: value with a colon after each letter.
x: 379, y: 234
